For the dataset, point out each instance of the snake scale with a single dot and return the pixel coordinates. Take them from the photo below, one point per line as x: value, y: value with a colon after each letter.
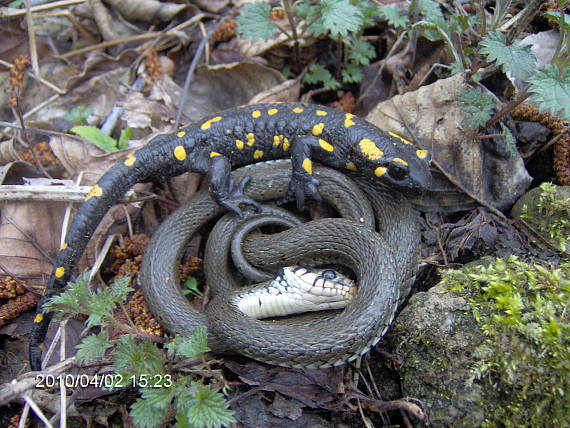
x: 384, y: 263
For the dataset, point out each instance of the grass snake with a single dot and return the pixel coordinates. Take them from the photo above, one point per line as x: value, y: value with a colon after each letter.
x: 384, y: 263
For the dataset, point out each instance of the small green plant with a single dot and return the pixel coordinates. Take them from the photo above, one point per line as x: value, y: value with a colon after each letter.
x: 78, y: 115
x: 95, y: 135
x: 557, y: 212
x: 523, y: 309
x: 140, y: 363
x: 340, y: 20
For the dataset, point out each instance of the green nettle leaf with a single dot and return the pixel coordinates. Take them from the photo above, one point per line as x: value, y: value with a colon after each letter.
x: 159, y: 398
x: 352, y: 74
x: 95, y: 135
x: 477, y: 106
x: 510, y: 142
x: 145, y: 416
x: 551, y: 90
x: 394, y: 16
x: 337, y: 18
x: 74, y: 298
x: 192, y: 346
x: 361, y: 51
x: 318, y: 74
x: 140, y: 357
x: 94, y: 345
x: 555, y: 16
x: 254, y: 23
x: 516, y: 58
x: 208, y: 408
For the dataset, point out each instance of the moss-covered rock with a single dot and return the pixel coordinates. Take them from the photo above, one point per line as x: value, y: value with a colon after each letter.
x: 490, y: 346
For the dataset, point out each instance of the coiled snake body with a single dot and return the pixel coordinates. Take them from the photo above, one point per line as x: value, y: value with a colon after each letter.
x: 384, y: 264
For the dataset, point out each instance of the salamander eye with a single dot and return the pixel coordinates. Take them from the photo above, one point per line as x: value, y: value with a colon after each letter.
x: 329, y: 274
x: 397, y: 172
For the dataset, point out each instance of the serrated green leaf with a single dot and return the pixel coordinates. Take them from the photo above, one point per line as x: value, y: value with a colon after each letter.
x: 334, y: 17
x: 141, y: 357
x: 94, y: 345
x: 318, y: 74
x: 207, y: 409
x: 121, y: 288
x: 254, y: 23
x: 352, y: 73
x: 555, y: 16
x: 192, y: 346
x: 74, y: 299
x: 551, y: 91
x: 510, y: 142
x: 516, y: 58
x: 145, y: 416
x: 159, y: 398
x: 430, y: 9
x: 95, y: 135
x: 395, y: 16
x: 361, y: 51
x: 477, y: 106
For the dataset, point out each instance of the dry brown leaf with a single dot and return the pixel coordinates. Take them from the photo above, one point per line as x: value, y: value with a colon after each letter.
x: 289, y: 90
x: 151, y: 11
x: 224, y: 86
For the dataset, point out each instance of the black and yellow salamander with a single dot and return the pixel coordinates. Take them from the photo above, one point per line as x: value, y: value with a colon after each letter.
x: 238, y: 137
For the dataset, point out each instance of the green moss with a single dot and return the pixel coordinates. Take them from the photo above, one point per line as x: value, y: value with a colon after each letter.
x: 551, y: 216
x: 523, y: 311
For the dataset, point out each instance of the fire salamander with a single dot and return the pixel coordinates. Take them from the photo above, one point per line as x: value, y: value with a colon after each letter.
x: 233, y: 138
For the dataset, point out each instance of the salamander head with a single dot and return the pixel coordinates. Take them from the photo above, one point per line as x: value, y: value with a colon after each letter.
x: 391, y: 160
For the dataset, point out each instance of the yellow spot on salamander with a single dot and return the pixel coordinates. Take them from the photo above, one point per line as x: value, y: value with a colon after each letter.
x: 130, y: 160
x: 298, y: 110
x: 38, y: 318
x: 421, y: 154
x: 181, y: 134
x: 318, y: 128
x: 240, y: 144
x: 277, y: 140
x: 307, y: 166
x: 214, y: 154
x: 250, y: 139
x: 402, y: 139
x: 63, y: 246
x: 369, y: 148
x: 59, y: 272
x: 180, y: 153
x: 258, y: 154
x: 321, y: 113
x: 348, y: 120
x: 94, y: 192
x: 286, y: 144
x: 207, y: 124
x: 402, y: 161
x: 272, y: 111
x: 380, y: 171
x: 325, y: 145
x: 255, y: 114
x: 350, y: 166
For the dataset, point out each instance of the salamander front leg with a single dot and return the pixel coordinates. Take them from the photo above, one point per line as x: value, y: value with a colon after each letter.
x: 303, y: 185
x: 224, y: 188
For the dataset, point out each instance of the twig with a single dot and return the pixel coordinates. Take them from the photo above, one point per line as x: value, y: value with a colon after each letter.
x: 13, y: 13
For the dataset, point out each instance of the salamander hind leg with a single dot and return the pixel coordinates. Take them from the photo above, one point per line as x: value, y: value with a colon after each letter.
x: 224, y: 188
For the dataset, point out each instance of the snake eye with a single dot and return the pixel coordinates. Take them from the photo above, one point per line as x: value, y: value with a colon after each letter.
x: 397, y: 172
x: 329, y: 274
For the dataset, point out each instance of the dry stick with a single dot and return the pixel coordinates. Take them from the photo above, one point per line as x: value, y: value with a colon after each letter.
x: 189, y: 76
x: 138, y: 37
x: 32, y: 40
x: 13, y: 13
